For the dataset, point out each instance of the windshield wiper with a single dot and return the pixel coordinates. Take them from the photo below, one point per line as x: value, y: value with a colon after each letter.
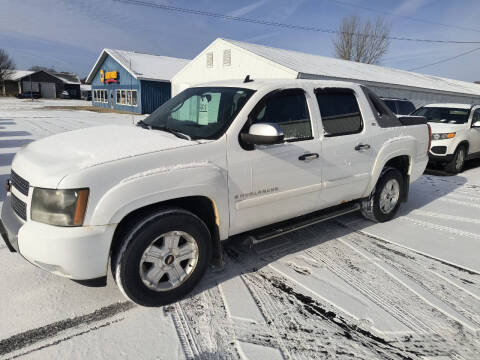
x: 143, y: 124
x: 171, y: 131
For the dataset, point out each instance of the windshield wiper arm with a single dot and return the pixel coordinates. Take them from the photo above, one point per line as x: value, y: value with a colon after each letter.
x: 174, y: 132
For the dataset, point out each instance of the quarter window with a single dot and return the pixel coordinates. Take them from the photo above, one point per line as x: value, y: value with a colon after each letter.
x: 340, y: 112
x: 288, y: 109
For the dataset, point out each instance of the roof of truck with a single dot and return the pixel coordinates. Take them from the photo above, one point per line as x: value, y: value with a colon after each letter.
x: 451, y: 105
x: 256, y: 84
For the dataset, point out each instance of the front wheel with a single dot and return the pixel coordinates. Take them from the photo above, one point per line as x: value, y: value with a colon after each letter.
x: 456, y: 164
x: 162, y: 257
x: 383, y: 203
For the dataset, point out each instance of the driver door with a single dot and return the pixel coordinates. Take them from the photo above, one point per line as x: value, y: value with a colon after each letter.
x: 271, y: 183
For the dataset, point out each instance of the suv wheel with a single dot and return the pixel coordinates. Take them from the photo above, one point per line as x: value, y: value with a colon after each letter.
x: 162, y: 257
x: 456, y: 164
x: 384, y: 201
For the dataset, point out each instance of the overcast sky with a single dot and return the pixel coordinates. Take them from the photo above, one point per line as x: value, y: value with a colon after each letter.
x: 69, y: 34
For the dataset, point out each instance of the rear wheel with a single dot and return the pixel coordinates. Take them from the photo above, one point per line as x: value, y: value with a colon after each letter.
x: 456, y: 164
x: 383, y: 203
x: 162, y: 257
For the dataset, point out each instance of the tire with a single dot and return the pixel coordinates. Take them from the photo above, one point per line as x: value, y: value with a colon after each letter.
x: 384, y: 201
x: 455, y: 166
x: 162, y: 257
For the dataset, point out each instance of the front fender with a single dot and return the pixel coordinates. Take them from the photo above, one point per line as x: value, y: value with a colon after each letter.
x: 400, y: 146
x: 154, y: 186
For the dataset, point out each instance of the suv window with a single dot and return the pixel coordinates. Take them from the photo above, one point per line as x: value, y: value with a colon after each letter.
x: 405, y: 107
x: 340, y: 111
x: 391, y: 105
x: 288, y: 109
x: 476, y: 116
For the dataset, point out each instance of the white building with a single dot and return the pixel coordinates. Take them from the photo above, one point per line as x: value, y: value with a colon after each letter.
x: 229, y: 59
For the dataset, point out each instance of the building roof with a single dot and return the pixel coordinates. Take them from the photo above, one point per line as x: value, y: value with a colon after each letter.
x: 309, y: 64
x: 141, y: 66
x: 67, y: 78
x: 16, y: 75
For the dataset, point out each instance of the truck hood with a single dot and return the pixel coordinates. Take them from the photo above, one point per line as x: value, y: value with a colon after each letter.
x: 45, y: 162
x: 439, y: 128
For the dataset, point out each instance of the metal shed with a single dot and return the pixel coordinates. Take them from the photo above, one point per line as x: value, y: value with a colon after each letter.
x: 229, y: 59
x: 132, y: 81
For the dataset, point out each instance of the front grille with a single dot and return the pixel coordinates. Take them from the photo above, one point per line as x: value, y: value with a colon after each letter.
x: 20, y: 183
x: 19, y: 207
x: 439, y: 149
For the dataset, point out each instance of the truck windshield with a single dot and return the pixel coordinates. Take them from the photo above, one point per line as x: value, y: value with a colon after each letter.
x: 444, y: 115
x: 200, y: 112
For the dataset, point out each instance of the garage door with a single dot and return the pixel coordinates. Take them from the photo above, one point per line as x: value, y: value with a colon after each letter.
x: 47, y: 90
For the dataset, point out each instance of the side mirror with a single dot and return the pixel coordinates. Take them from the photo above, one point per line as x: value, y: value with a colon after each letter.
x: 476, y: 124
x: 263, y: 134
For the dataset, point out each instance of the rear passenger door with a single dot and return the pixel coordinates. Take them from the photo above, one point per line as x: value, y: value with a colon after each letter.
x: 474, y: 137
x: 347, y: 150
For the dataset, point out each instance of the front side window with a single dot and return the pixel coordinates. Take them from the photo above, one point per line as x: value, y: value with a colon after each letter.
x: 340, y: 112
x: 288, y: 109
x: 476, y: 116
x: 444, y: 115
x: 200, y: 112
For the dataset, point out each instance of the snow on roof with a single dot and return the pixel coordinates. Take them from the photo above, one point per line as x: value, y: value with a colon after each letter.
x: 67, y: 78
x: 349, y: 70
x: 142, y: 66
x: 15, y: 75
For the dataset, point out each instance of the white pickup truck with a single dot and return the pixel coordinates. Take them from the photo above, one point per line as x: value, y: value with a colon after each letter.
x: 155, y: 200
x: 456, y: 133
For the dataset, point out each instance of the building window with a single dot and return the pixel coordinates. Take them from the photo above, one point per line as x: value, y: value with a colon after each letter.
x: 123, y: 100
x: 129, y: 97
x: 118, y: 96
x: 134, y: 97
x: 210, y: 59
x: 227, y: 57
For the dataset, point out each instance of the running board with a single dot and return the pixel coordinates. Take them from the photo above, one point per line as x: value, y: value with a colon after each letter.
x: 285, y: 227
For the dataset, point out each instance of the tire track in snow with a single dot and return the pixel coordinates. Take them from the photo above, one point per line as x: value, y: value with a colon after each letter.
x: 30, y: 337
x: 371, y: 293
x: 459, y: 202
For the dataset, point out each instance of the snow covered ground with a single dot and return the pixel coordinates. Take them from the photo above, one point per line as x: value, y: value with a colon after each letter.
x: 347, y: 288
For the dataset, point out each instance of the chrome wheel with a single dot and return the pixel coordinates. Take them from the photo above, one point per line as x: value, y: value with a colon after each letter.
x: 460, y: 159
x: 169, y: 261
x: 389, y: 196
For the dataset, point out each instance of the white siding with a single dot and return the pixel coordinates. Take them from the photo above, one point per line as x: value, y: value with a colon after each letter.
x: 242, y: 63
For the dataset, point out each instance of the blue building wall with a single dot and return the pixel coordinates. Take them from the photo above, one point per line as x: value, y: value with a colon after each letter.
x: 150, y: 94
x: 154, y: 94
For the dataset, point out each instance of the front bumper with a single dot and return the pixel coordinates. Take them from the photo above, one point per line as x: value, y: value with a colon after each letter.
x: 78, y: 253
x: 440, y: 158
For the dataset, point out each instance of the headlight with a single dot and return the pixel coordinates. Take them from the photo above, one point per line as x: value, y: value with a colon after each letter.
x: 59, y: 207
x: 443, y: 136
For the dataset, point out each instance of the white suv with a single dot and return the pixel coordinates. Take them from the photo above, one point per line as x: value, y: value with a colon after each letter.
x: 455, y: 133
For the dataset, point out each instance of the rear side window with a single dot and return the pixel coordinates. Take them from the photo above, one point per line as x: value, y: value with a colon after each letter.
x: 405, y: 107
x: 340, y: 112
x: 288, y: 109
x: 391, y: 105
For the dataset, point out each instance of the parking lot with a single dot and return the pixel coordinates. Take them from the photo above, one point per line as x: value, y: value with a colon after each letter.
x: 346, y: 288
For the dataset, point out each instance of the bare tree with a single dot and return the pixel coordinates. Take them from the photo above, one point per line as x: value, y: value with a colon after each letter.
x: 6, y: 65
x: 362, y: 42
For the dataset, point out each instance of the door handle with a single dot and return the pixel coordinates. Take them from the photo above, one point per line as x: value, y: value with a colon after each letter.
x: 361, y: 147
x: 308, y: 157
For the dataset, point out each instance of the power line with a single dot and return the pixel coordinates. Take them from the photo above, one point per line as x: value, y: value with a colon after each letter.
x: 446, y: 59
x: 426, y: 21
x: 272, y: 23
